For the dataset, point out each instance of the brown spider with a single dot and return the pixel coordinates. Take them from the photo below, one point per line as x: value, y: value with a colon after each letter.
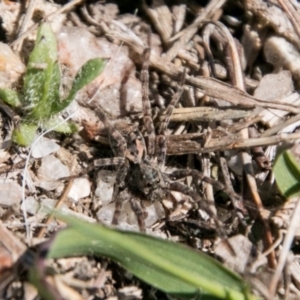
x: 140, y: 176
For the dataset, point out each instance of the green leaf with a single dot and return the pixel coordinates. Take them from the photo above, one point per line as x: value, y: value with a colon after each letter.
x: 88, y: 72
x: 170, y: 267
x: 24, y: 134
x: 59, y: 126
x: 42, y: 78
x: 10, y: 97
x: 41, y: 91
x: 45, y: 49
x: 287, y: 173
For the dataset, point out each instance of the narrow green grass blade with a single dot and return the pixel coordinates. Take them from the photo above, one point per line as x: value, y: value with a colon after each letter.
x: 167, y: 266
x: 287, y: 173
x: 42, y: 78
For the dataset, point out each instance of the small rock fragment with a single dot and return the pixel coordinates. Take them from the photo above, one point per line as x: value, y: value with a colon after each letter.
x: 44, y: 147
x: 282, y: 54
x: 48, y: 185
x: 11, y: 66
x: 105, y: 213
x: 105, y: 186
x: 128, y: 219
x: 81, y: 188
x: 52, y: 168
x: 10, y: 194
x: 116, y: 95
x: 47, y: 204
x: 30, y: 205
x: 243, y: 250
x: 275, y: 87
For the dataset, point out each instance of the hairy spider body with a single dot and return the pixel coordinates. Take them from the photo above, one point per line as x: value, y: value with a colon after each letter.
x: 140, y: 177
x: 145, y: 179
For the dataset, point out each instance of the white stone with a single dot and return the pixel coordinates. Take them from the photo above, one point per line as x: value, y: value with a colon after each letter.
x: 77, y: 45
x: 43, y: 147
x: 30, y: 205
x: 105, y: 186
x: 128, y: 219
x: 81, y: 188
x: 52, y: 168
x: 46, y: 206
x: 49, y: 185
x: 154, y: 212
x: 10, y: 194
x: 105, y: 213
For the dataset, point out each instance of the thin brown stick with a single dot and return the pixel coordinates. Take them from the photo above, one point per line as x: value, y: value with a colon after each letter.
x: 293, y: 226
x: 188, y: 33
x: 28, y: 16
x: 161, y: 18
x: 195, y: 143
x: 57, y: 205
x: 235, y: 69
x: 209, y: 86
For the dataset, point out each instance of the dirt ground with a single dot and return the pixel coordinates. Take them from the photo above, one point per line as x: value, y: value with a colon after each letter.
x: 213, y: 85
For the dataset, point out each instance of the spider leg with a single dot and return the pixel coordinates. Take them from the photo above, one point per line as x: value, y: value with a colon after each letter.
x: 136, y: 146
x: 147, y: 114
x: 138, y: 209
x: 198, y: 175
x: 113, y: 161
x: 120, y: 199
x: 161, y: 146
x: 179, y: 187
x: 116, y: 140
x: 204, y: 205
x: 120, y: 196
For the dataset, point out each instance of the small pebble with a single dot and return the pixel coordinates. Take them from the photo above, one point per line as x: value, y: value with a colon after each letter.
x: 10, y: 194
x: 30, y: 205
x: 44, y: 147
x: 81, y: 188
x: 52, y: 168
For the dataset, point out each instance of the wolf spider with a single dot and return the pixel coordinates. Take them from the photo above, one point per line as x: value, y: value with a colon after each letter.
x: 140, y: 176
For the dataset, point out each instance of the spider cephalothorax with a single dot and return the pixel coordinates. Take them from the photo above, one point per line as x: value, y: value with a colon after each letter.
x: 147, y: 180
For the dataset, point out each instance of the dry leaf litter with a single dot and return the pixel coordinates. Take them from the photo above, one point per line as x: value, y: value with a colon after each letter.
x: 242, y: 72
